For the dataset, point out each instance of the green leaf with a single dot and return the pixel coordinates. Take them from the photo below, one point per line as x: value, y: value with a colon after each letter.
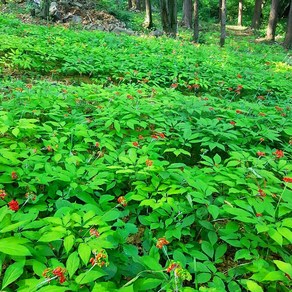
x: 199, y: 255
x: 57, y: 157
x: 275, y: 276
x: 234, y: 287
x: 260, y: 227
x: 212, y: 237
x: 51, y: 236
x: 151, y: 263
x: 253, y: 286
x: 90, y: 276
x: 84, y: 252
x: 14, y: 226
x: 12, y: 273
x: 188, y: 221
x: 133, y: 154
x: 15, y: 131
x: 9, y: 246
x: 38, y: 268
x: 275, y: 235
x: 285, y: 232
x: 203, y: 278
x: 53, y: 288
x: 220, y: 251
x: 72, y: 263
x: 217, y: 159
x: 111, y: 215
x: 284, y: 267
x: 117, y: 126
x: 214, y: 211
x: 242, y: 254
x: 207, y: 248
x: 69, y: 242
x: 147, y: 284
x: 179, y: 257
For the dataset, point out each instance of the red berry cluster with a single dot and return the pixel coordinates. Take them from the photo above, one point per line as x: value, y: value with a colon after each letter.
x: 13, y: 205
x: 2, y: 194
x: 161, y: 242
x: 100, y: 259
x: 94, y: 232
x: 60, y: 273
x: 279, y: 153
x: 149, y: 162
x: 57, y: 272
x: 181, y: 273
x: 122, y: 201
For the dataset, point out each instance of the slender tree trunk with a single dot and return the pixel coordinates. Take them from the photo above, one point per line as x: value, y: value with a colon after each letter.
x: 240, y: 8
x: 134, y: 4
x: 288, y: 38
x: 130, y: 4
x: 220, y: 5
x: 45, y: 9
x: 196, y: 21
x: 148, y: 15
x: 223, y: 23
x: 187, y: 13
x: 256, y: 20
x: 271, y: 30
x: 169, y: 16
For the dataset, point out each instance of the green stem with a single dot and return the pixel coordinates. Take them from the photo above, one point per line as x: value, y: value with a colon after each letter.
x: 139, y: 274
x: 280, y: 199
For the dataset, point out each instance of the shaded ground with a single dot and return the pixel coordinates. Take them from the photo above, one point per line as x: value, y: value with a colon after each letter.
x: 78, y: 13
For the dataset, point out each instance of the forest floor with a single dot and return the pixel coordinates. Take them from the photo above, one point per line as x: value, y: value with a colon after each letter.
x: 135, y: 163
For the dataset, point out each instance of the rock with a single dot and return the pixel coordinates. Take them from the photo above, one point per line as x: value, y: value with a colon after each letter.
x: 77, y: 4
x: 119, y: 30
x: 53, y: 8
x: 76, y: 19
x: 156, y: 33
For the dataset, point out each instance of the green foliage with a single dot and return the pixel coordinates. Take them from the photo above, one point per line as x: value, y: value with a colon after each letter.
x: 152, y: 164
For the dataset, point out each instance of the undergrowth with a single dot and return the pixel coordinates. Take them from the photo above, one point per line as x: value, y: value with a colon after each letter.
x: 143, y: 164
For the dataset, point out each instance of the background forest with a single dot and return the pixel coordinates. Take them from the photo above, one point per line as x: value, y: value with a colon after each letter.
x: 145, y: 146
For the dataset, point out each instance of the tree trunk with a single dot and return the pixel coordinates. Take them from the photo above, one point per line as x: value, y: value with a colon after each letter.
x: 187, y: 13
x: 220, y: 5
x: 288, y: 37
x: 148, y: 23
x: 256, y: 20
x: 196, y: 21
x: 130, y: 4
x: 240, y: 7
x: 45, y: 9
x: 223, y: 23
x: 271, y: 30
x: 169, y: 17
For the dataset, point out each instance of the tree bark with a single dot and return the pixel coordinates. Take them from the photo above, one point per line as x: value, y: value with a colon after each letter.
x: 219, y: 12
x: 223, y: 23
x: 288, y: 37
x: 196, y: 21
x: 271, y: 29
x: 169, y: 17
x: 130, y: 4
x: 45, y: 9
x: 148, y: 23
x: 187, y: 13
x: 240, y: 7
x: 256, y: 20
